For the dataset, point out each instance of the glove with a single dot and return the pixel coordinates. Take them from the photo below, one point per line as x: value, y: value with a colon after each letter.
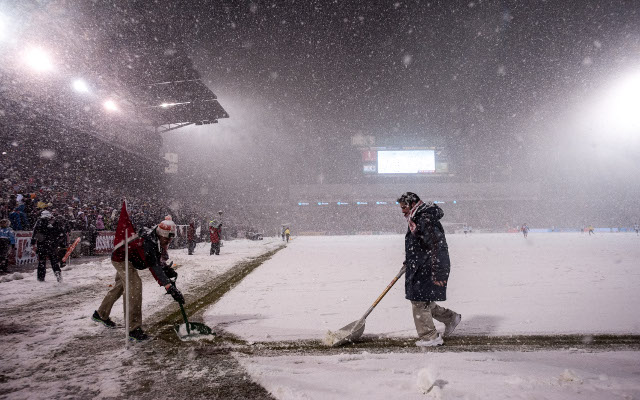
x: 175, y: 293
x: 170, y: 272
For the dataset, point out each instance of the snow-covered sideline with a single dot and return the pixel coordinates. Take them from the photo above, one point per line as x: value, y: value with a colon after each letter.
x: 58, y: 314
x: 558, y: 375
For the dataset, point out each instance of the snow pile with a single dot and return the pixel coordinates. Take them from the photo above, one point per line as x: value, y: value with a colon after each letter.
x: 569, y: 376
x: 11, y: 277
x: 425, y: 380
x: 194, y: 335
x: 330, y: 338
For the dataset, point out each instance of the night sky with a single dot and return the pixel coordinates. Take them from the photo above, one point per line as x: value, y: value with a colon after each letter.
x: 478, y: 77
x: 495, y: 82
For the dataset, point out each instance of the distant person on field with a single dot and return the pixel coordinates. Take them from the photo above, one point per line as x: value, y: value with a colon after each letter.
x: 525, y: 230
x: 215, y: 228
x: 427, y: 269
x: 636, y: 227
x: 591, y: 230
x: 287, y: 234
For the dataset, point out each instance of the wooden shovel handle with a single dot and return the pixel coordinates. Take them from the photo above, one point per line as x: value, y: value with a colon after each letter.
x: 393, y: 282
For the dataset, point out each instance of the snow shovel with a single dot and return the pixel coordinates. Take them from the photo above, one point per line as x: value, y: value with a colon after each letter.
x: 352, y: 332
x: 190, y: 329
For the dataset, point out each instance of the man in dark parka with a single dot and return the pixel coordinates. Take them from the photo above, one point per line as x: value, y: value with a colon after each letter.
x: 427, y: 269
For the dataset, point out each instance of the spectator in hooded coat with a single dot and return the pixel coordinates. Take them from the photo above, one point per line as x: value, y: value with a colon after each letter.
x: 7, y: 242
x: 427, y: 269
x: 99, y: 223
x: 81, y: 221
x: 19, y: 219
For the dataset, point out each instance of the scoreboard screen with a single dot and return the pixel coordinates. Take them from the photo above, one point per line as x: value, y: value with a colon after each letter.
x: 404, y: 161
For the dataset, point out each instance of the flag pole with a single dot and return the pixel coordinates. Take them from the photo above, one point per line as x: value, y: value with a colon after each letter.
x: 126, y: 286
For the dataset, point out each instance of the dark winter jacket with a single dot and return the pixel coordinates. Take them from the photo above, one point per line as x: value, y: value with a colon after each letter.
x: 48, y: 235
x: 427, y: 256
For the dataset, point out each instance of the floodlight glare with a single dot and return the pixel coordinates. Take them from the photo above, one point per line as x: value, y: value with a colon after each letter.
x: 80, y: 86
x: 38, y: 59
x: 167, y: 105
x: 622, y: 105
x: 110, y: 105
x: 3, y: 27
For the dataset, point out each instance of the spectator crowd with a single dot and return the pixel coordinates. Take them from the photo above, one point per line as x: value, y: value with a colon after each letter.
x: 75, y: 201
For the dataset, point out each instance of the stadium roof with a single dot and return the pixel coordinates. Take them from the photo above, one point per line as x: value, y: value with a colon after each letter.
x: 178, y: 102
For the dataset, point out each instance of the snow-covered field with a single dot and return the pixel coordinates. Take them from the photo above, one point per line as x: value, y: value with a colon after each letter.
x: 502, y: 284
x: 557, y: 375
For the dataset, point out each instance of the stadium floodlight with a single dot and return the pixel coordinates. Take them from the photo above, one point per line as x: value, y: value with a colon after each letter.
x: 3, y: 27
x: 38, y: 59
x: 81, y: 86
x: 619, y: 111
x: 110, y: 105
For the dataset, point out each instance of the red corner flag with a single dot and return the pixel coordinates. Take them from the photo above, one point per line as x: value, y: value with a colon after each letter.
x: 124, y: 223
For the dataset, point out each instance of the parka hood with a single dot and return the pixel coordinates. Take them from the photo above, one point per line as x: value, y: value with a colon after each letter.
x: 432, y: 211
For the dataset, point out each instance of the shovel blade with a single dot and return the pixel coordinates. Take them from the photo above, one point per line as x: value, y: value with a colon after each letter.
x: 347, y: 334
x: 196, y: 330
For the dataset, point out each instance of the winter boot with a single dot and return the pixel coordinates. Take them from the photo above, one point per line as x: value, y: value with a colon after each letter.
x: 137, y: 335
x: 58, y: 275
x: 106, y: 322
x: 437, y: 341
x: 451, y: 326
